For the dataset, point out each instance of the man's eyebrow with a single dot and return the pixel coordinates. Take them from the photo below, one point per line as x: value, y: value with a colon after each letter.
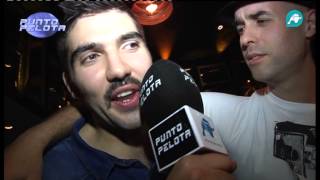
x: 256, y: 15
x: 130, y: 35
x: 86, y: 47
x: 83, y: 48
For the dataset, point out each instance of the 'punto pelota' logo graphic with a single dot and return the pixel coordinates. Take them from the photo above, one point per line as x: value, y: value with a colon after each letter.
x: 41, y: 25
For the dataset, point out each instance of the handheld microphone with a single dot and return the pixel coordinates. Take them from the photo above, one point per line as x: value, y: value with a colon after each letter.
x: 171, y: 108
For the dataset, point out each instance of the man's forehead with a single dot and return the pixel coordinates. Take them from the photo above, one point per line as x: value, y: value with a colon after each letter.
x: 108, y: 25
x: 253, y: 8
x: 269, y: 6
x: 109, y: 18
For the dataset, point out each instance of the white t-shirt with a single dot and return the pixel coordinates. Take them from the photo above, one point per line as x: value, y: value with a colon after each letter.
x: 268, y: 137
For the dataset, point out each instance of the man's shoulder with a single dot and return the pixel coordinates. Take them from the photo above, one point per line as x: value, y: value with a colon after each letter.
x: 219, y: 98
x: 61, y: 151
x: 223, y: 106
x: 61, y: 159
x: 66, y: 145
x: 63, y: 146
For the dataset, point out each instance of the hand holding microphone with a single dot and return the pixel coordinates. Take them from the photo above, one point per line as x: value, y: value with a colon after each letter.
x: 209, y: 166
x: 171, y: 108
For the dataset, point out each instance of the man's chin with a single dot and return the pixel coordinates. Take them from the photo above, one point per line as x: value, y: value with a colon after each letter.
x: 129, y: 120
x: 133, y: 126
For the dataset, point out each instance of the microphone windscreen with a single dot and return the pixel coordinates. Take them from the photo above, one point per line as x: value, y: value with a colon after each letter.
x: 165, y: 88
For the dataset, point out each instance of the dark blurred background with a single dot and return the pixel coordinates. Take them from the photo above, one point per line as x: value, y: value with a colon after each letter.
x: 195, y: 35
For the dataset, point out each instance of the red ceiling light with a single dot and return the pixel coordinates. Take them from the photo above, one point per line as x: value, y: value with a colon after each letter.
x: 151, y: 8
x: 152, y: 12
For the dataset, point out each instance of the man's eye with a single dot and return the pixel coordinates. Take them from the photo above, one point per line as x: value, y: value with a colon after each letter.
x: 262, y: 21
x: 90, y: 58
x: 130, y: 45
x: 239, y: 29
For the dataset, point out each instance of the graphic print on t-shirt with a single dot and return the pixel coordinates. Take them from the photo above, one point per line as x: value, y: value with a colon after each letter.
x: 295, y: 144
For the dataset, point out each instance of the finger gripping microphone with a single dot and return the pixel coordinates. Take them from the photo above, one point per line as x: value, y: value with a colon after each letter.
x: 171, y: 108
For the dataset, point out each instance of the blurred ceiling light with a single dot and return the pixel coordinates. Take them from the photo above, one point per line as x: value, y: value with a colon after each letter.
x: 220, y: 27
x: 224, y: 38
x: 221, y: 45
x: 152, y: 12
x: 165, y: 52
x: 7, y: 125
x: 7, y: 65
x: 52, y: 89
x: 151, y: 8
x: 164, y: 39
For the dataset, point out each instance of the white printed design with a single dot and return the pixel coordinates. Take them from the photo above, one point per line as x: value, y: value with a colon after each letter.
x: 295, y: 144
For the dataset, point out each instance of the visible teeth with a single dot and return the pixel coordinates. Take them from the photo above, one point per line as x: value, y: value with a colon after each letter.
x: 125, y: 100
x: 123, y: 94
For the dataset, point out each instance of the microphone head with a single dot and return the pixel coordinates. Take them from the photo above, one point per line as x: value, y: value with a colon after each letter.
x: 165, y: 88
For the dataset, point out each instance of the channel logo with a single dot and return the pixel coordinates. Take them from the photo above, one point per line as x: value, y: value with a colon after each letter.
x: 294, y: 18
x: 206, y: 128
x: 41, y: 25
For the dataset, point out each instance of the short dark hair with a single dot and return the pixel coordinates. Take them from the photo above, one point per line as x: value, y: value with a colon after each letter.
x: 74, y: 10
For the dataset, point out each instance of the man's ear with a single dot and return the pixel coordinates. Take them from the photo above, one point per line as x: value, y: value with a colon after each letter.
x: 67, y: 82
x: 310, y: 20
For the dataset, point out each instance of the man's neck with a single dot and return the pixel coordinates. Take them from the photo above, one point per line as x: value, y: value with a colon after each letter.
x: 300, y: 87
x: 101, y: 139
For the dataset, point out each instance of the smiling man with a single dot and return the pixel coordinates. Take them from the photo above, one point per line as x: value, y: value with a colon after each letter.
x: 105, y: 59
x: 271, y: 134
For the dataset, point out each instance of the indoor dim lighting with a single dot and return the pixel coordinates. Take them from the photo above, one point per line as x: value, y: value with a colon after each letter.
x: 59, y: 106
x: 220, y: 27
x: 225, y: 36
x: 7, y: 65
x: 152, y: 12
x: 164, y: 40
x: 201, y: 75
x: 52, y: 89
x: 221, y: 45
x: 165, y: 52
x: 151, y: 8
x: 7, y: 126
x: 248, y: 81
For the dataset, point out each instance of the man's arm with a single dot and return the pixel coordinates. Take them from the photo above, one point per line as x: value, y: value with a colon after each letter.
x: 23, y: 157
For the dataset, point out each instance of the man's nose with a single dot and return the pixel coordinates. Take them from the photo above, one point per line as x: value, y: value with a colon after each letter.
x: 117, y: 68
x: 248, y: 37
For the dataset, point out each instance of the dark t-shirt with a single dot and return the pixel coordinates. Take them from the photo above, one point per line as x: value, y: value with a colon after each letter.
x: 73, y: 158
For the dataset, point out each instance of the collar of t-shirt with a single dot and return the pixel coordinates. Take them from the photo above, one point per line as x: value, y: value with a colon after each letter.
x: 99, y: 163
